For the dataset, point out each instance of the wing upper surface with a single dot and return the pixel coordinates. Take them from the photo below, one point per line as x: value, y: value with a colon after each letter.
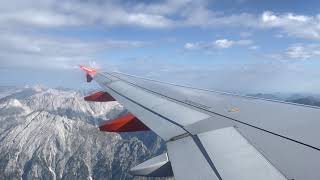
x: 282, y: 138
x: 297, y: 122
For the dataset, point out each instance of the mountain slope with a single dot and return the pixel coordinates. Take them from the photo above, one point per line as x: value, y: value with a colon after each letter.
x: 52, y: 134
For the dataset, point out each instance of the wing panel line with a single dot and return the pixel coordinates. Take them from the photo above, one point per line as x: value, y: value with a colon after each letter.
x: 205, y: 154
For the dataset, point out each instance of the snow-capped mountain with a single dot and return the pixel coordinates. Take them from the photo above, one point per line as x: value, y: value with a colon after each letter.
x: 52, y: 134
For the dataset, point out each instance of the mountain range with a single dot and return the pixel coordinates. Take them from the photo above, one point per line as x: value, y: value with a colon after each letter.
x: 52, y: 134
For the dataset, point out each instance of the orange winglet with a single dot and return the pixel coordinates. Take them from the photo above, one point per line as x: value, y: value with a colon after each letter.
x: 126, y: 123
x: 88, y: 70
x: 99, y: 97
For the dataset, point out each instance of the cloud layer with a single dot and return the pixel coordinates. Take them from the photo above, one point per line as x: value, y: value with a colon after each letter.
x: 161, y: 14
x: 53, y: 52
x: 21, y: 22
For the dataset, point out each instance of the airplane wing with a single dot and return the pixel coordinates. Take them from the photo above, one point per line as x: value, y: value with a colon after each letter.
x: 216, y: 135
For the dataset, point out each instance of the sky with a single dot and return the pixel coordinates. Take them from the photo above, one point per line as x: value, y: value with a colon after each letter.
x: 241, y: 46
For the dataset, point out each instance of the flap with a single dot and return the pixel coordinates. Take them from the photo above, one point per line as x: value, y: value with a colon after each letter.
x: 158, y: 166
x: 236, y: 158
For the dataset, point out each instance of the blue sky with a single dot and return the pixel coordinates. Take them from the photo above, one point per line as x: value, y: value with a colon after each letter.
x: 233, y: 45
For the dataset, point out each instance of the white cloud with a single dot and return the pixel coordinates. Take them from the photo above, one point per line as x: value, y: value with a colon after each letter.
x: 299, y: 18
x: 38, y: 18
x: 298, y: 52
x: 148, y: 20
x: 191, y: 46
x: 217, y: 44
x: 223, y: 43
x: 269, y: 17
x: 293, y: 25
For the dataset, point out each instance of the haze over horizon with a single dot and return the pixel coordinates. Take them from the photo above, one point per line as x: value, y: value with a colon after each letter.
x: 234, y: 45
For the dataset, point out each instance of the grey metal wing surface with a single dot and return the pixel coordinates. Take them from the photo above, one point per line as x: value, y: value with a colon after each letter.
x: 217, y: 135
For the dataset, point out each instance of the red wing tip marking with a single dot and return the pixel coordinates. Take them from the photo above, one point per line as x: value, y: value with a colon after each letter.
x: 125, y: 123
x: 88, y: 70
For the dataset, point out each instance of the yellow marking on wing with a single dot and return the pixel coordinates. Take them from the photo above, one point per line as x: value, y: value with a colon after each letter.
x: 234, y: 109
